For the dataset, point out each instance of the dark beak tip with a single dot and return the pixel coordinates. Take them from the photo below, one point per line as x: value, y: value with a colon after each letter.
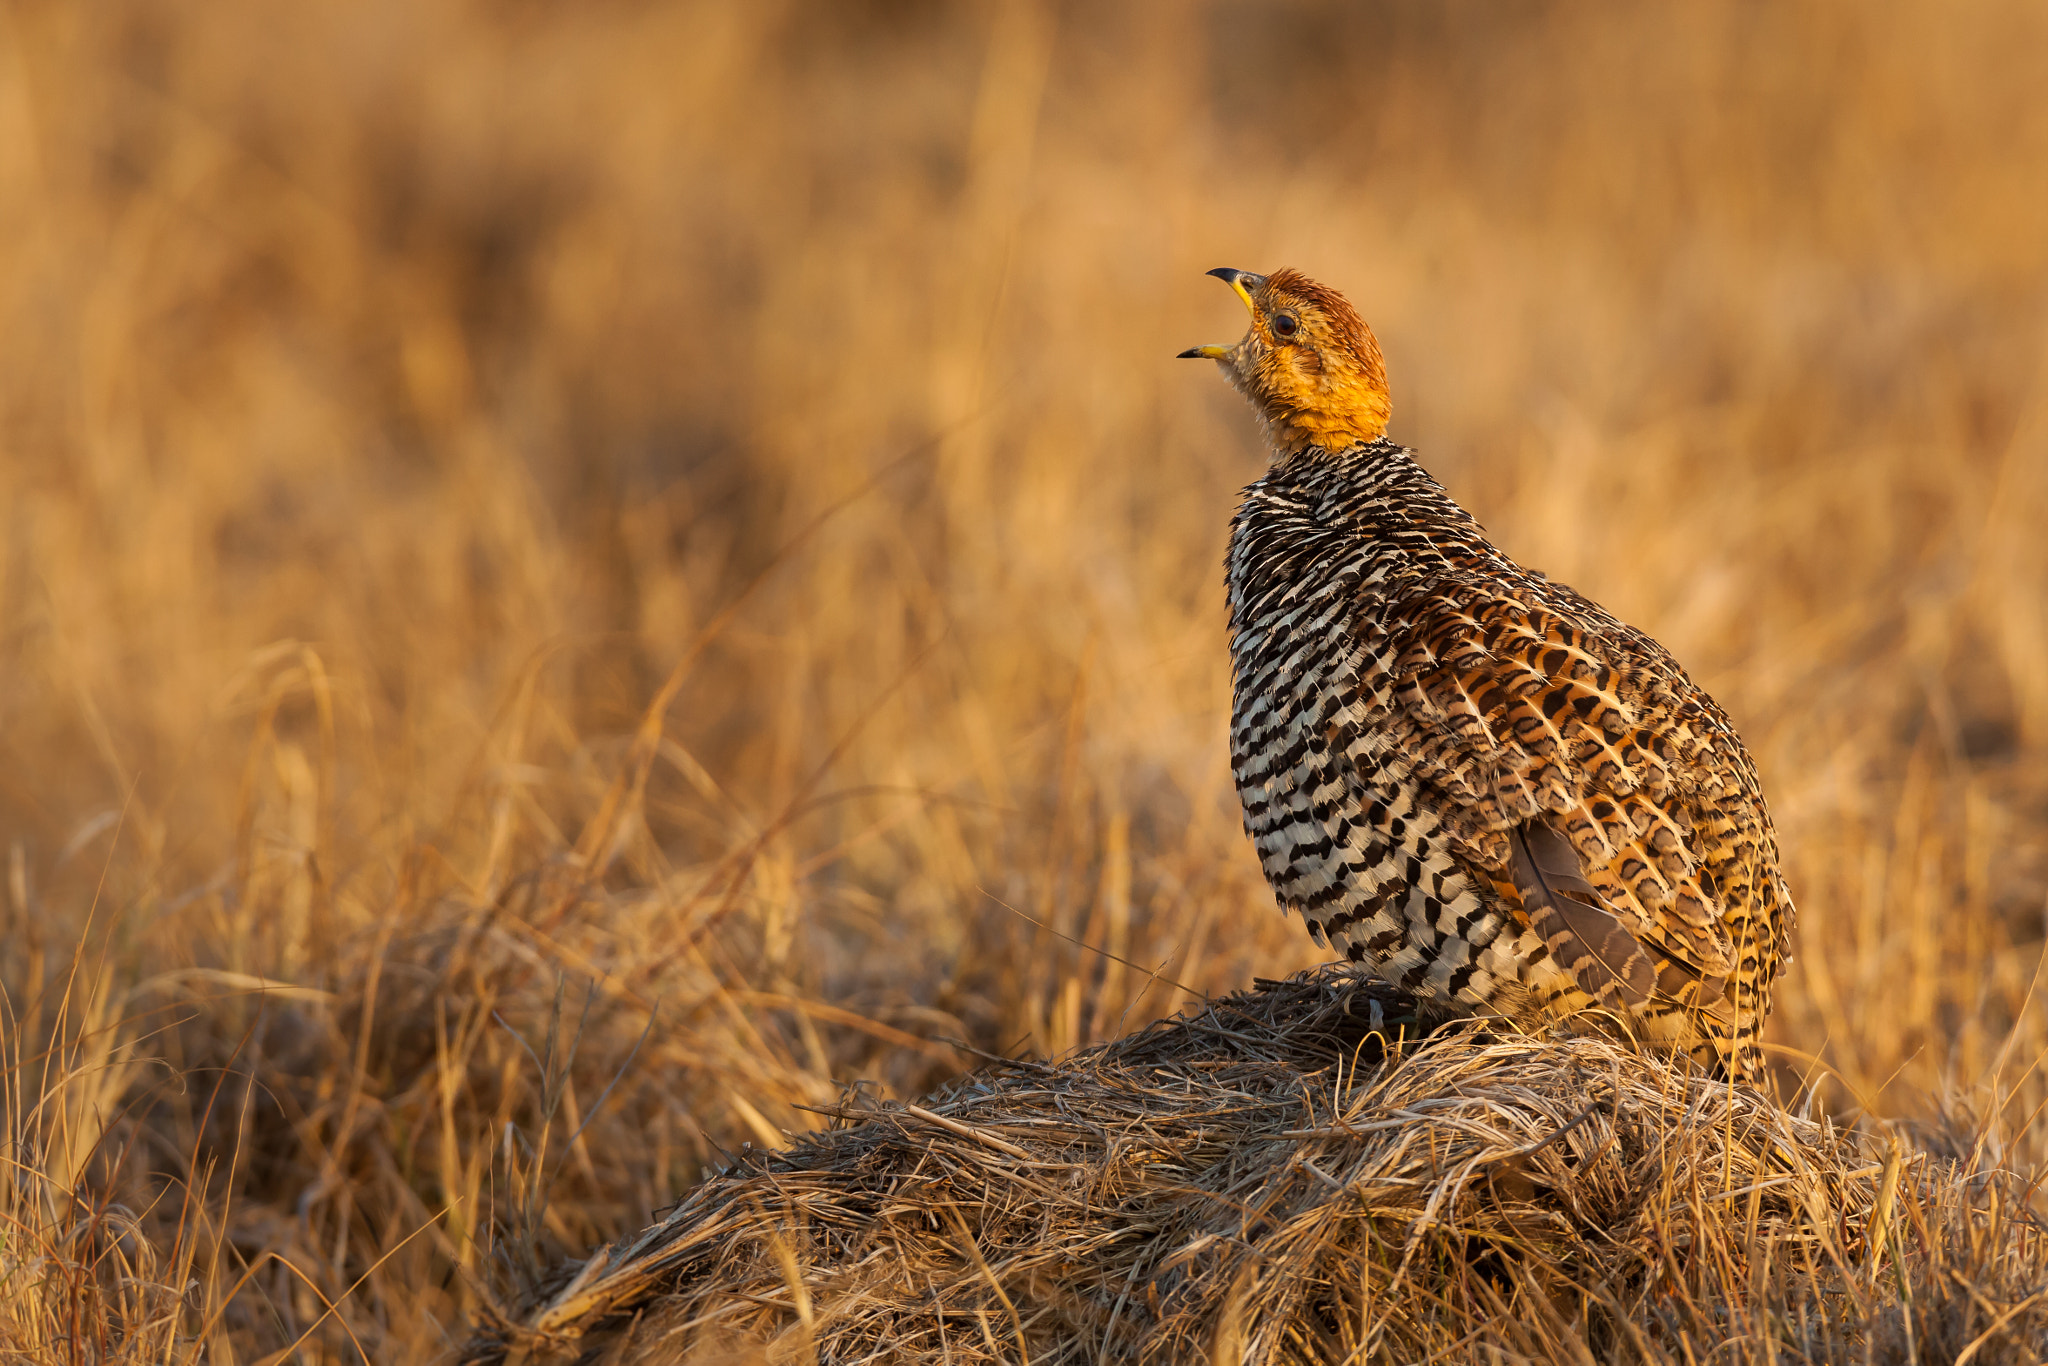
x: 1239, y: 279
x: 1192, y: 353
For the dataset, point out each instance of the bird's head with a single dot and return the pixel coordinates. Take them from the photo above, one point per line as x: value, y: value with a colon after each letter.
x: 1309, y: 364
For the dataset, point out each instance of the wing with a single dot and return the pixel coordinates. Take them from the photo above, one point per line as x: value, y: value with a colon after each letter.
x: 1579, y: 929
x: 1547, y: 730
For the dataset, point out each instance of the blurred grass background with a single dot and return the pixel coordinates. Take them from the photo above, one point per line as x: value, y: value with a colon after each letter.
x: 397, y: 400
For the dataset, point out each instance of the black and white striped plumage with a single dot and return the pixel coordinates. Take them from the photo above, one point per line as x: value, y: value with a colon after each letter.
x: 1457, y: 770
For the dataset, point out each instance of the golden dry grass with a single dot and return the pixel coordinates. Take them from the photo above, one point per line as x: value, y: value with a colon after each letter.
x: 1265, y: 1180
x: 397, y: 400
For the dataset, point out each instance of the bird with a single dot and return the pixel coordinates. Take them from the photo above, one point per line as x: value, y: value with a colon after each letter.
x: 1461, y: 773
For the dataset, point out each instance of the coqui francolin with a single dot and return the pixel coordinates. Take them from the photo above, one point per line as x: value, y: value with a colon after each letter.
x: 1459, y: 771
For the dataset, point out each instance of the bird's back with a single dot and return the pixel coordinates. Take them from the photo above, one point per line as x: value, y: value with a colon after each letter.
x: 1479, y: 782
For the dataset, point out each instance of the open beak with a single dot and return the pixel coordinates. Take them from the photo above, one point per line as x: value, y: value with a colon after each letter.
x: 1242, y: 283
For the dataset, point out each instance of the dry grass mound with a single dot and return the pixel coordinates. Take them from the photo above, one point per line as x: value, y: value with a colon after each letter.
x: 1285, y: 1176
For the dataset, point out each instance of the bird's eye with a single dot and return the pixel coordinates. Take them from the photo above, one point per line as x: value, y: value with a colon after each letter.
x: 1285, y: 324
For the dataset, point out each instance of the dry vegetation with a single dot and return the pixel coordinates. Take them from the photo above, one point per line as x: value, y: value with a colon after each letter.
x: 1261, y: 1182
x: 575, y: 578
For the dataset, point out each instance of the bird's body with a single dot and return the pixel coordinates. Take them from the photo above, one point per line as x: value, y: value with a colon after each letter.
x: 1458, y: 771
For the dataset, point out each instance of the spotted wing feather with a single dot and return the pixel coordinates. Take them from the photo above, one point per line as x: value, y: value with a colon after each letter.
x: 1583, y: 936
x: 1516, y: 716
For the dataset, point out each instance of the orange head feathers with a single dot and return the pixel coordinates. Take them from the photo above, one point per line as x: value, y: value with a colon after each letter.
x: 1309, y: 364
